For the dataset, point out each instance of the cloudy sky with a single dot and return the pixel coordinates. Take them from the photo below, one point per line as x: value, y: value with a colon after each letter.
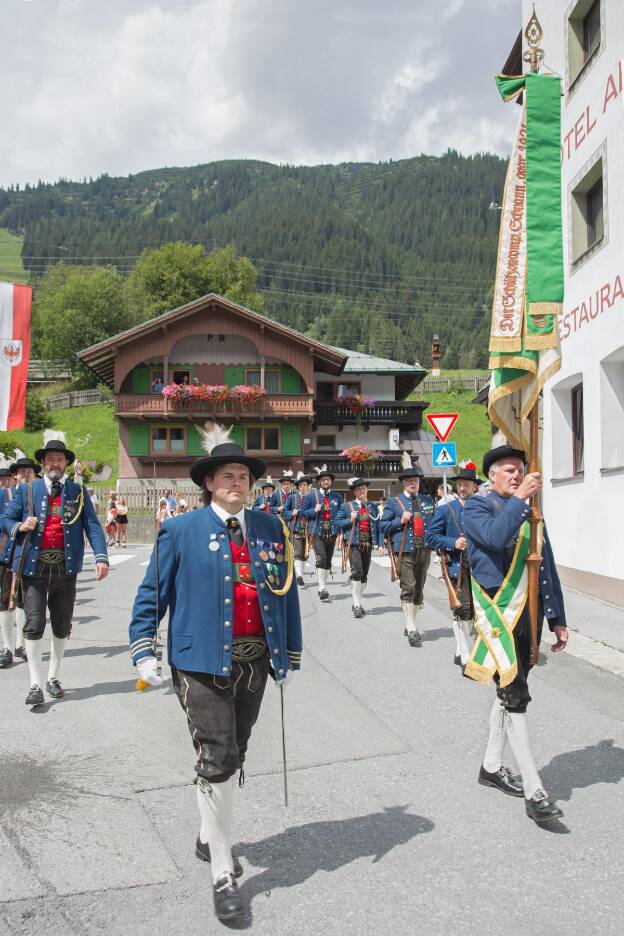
x: 118, y: 86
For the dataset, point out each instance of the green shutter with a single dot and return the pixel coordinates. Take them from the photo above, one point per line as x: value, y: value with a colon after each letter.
x: 193, y: 442
x: 291, y: 381
x: 139, y: 440
x: 234, y: 376
x: 291, y: 440
x: 238, y: 435
x: 141, y: 380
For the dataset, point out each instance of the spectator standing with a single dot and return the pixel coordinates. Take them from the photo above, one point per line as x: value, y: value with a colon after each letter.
x: 171, y: 501
x: 122, y: 522
x: 157, y: 384
x: 163, y: 513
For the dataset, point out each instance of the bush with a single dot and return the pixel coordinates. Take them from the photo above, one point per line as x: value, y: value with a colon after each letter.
x: 37, y: 414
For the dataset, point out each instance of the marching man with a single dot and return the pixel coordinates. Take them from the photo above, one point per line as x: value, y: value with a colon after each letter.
x: 297, y: 524
x: 263, y: 501
x: 226, y: 575
x: 11, y: 648
x: 280, y: 498
x: 321, y: 508
x: 446, y: 535
x: 405, y: 521
x: 498, y: 539
x: 359, y: 521
x: 48, y: 519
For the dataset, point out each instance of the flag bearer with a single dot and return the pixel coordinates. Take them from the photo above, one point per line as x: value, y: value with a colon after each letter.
x: 321, y: 510
x: 297, y: 523
x: 498, y: 539
x: 359, y: 521
x: 234, y: 617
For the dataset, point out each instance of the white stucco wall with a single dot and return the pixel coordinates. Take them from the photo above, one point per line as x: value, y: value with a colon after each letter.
x: 585, y: 514
x: 374, y: 387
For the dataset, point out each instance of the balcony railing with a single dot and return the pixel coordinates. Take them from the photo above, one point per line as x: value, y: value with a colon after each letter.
x: 283, y: 405
x: 390, y: 413
x: 385, y: 467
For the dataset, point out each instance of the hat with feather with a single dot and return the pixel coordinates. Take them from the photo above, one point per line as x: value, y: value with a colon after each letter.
x: 54, y: 441
x: 5, y: 466
x: 467, y: 472
x: 268, y: 482
x: 302, y: 477
x: 287, y: 475
x: 322, y: 472
x: 220, y: 450
x: 408, y: 470
x: 21, y: 461
x: 355, y: 482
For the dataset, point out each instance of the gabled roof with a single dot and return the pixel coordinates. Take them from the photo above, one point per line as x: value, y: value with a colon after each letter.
x: 100, y: 357
x: 407, y: 376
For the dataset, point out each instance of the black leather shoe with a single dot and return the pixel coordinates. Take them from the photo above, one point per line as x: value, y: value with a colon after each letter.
x: 502, y: 779
x: 457, y: 661
x: 415, y: 640
x: 54, y: 689
x: 324, y: 595
x: 542, y: 809
x: 6, y: 658
x: 357, y: 612
x: 35, y: 696
x: 203, y: 853
x: 228, y: 903
x: 20, y: 652
x: 300, y: 580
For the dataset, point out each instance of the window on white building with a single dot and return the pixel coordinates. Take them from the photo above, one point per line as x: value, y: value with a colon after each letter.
x: 568, y: 432
x: 578, y: 432
x: 612, y: 410
x: 585, y: 33
x: 587, y: 213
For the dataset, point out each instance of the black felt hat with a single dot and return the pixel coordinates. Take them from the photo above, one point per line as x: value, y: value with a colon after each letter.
x: 468, y: 472
x: 6, y: 473
x: 302, y: 477
x: 267, y: 483
x: 55, y: 445
x: 24, y: 463
x: 324, y: 473
x: 355, y: 482
x: 501, y: 451
x: 414, y: 472
x: 225, y: 454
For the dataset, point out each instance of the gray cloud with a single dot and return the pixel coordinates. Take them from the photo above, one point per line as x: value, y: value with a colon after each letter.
x: 127, y: 85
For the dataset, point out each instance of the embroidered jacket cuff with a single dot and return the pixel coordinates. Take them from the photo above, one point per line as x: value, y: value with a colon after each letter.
x: 101, y: 557
x: 294, y: 658
x: 143, y: 647
x: 14, y: 530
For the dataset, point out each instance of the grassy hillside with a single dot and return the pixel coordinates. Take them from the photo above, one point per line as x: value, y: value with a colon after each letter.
x: 472, y: 429
x: 91, y: 432
x: 11, y: 266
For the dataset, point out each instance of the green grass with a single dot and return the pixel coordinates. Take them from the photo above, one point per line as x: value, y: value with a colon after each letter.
x: 11, y: 266
x: 90, y: 431
x: 472, y: 429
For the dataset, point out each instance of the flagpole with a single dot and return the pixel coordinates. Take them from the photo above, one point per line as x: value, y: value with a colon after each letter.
x: 534, y: 56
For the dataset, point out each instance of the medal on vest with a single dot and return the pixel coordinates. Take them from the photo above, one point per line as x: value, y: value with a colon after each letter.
x: 213, y: 546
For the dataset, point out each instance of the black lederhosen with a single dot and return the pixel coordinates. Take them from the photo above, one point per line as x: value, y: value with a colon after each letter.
x: 324, y: 544
x: 5, y: 586
x: 515, y: 697
x: 466, y: 611
x: 413, y: 575
x: 221, y: 712
x: 50, y: 588
x: 299, y: 545
x: 360, y: 560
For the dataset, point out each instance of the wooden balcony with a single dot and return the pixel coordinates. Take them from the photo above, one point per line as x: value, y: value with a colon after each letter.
x: 387, y: 466
x: 384, y: 413
x: 275, y: 406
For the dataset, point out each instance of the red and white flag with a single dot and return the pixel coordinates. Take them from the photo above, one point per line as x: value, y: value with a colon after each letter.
x: 15, y: 305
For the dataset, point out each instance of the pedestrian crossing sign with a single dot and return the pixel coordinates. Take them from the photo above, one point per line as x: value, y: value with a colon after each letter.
x: 444, y: 454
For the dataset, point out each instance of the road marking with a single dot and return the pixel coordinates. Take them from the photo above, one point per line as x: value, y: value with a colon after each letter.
x: 116, y: 559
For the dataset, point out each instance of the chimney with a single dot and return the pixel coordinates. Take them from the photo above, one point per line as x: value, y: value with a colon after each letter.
x: 435, y: 356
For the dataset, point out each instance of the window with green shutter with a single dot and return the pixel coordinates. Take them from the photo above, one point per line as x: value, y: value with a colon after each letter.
x: 291, y: 381
x: 234, y: 376
x: 194, y: 442
x: 238, y: 435
x: 141, y: 380
x: 138, y: 440
x: 291, y: 440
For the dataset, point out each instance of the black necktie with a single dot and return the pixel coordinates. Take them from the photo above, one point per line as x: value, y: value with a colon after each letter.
x: 55, y: 489
x: 414, y: 500
x: 234, y: 529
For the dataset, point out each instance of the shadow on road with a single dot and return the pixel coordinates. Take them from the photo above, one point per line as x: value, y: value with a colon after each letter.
x: 437, y: 633
x: 97, y: 650
x: 292, y: 857
x: 597, y: 763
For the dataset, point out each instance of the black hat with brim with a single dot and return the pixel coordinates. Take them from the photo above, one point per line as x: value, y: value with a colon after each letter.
x: 325, y: 474
x: 305, y: 478
x: 467, y: 474
x: 55, y: 445
x: 414, y: 472
x: 6, y: 473
x: 500, y: 452
x: 24, y: 463
x: 267, y: 484
x: 356, y: 483
x: 225, y: 454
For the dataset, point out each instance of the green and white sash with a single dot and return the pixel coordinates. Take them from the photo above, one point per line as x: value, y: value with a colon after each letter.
x: 495, y: 618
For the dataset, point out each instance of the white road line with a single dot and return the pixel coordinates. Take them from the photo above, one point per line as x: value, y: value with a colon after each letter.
x: 116, y: 559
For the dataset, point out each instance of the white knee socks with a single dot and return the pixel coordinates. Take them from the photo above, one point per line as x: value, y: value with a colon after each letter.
x: 518, y: 735
x: 409, y: 610
x: 356, y: 590
x: 299, y: 568
x: 6, y: 626
x: 323, y: 575
x: 493, y: 759
x: 20, y: 621
x: 34, y: 652
x: 57, y: 649
x: 464, y: 641
x: 215, y: 808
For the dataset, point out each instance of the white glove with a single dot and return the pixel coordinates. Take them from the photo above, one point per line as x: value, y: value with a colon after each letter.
x: 148, y: 671
x: 285, y: 680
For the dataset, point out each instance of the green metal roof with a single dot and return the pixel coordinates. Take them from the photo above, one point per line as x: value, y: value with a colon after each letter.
x: 360, y: 363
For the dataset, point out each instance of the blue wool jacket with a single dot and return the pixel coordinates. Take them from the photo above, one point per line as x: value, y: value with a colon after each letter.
x: 196, y: 584
x: 344, y: 521
x: 75, y: 502
x: 297, y: 524
x: 7, y: 544
x: 309, y: 510
x: 279, y: 499
x: 391, y: 520
x: 492, y: 524
x: 261, y: 502
x: 445, y: 528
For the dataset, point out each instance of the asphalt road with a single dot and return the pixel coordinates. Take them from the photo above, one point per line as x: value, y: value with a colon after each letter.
x: 387, y: 830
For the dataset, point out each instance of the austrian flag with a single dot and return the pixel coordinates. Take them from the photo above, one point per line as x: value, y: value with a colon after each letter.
x: 15, y: 305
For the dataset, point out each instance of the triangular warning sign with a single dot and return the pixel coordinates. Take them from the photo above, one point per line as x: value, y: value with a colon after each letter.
x: 442, y: 423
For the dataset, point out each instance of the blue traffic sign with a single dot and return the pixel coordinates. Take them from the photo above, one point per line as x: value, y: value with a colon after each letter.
x: 444, y: 454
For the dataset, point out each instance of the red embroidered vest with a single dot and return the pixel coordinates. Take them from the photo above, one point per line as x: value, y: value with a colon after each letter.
x: 247, y: 618
x: 53, y: 533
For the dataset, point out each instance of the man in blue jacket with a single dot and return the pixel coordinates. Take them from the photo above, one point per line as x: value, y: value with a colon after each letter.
x: 280, y: 498
x: 297, y: 523
x: 226, y: 575
x: 405, y: 521
x: 359, y: 521
x: 6, y: 554
x: 497, y: 537
x: 321, y: 509
x: 446, y: 535
x: 49, y: 518
x: 263, y: 501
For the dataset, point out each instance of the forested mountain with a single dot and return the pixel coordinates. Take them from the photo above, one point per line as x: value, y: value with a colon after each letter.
x: 376, y: 257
